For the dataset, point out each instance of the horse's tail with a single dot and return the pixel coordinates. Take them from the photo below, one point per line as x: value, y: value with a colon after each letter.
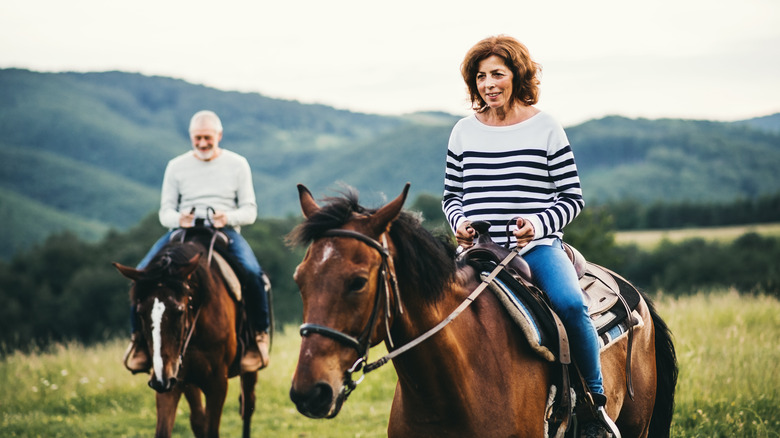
x: 666, y: 372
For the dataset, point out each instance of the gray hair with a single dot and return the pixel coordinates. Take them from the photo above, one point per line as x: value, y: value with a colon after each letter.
x: 206, y: 115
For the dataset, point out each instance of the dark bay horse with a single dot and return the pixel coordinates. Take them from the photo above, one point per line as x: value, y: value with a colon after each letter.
x: 475, y: 377
x: 188, y: 318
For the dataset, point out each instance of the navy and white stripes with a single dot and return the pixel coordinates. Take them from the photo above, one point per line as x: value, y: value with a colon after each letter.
x: 497, y: 173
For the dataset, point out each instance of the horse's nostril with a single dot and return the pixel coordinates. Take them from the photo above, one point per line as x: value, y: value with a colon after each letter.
x: 162, y: 386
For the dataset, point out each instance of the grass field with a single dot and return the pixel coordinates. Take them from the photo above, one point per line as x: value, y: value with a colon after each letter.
x: 648, y: 239
x: 729, y: 385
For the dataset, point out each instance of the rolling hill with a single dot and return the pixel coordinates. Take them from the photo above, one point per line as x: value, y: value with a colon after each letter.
x: 86, y: 151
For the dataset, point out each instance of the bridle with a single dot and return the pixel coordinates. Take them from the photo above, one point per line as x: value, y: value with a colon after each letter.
x: 387, y: 282
x: 190, y: 330
x: 190, y: 324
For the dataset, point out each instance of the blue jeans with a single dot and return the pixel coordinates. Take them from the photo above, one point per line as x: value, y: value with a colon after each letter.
x: 554, y: 273
x: 255, y: 299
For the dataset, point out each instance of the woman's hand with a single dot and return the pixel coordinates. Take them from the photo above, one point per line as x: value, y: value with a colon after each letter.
x: 524, y: 233
x: 465, y: 235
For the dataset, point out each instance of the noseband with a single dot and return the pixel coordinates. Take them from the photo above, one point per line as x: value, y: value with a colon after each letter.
x: 386, y: 282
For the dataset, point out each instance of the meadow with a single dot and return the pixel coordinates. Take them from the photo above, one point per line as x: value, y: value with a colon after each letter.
x: 649, y: 239
x: 727, y: 348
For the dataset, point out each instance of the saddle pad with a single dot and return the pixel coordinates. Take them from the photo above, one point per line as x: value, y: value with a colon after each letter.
x: 533, y: 318
x: 231, y: 279
x: 608, y: 337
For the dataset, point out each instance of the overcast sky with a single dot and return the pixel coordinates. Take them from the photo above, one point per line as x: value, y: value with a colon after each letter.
x: 696, y: 59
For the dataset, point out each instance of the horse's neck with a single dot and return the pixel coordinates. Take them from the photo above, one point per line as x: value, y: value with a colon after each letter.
x: 464, y: 357
x: 218, y: 310
x: 420, y: 316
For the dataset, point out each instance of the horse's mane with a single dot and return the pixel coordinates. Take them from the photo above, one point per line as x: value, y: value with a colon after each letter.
x: 165, y: 265
x: 427, y: 260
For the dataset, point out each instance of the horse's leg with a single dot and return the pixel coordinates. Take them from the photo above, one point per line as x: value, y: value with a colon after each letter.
x: 197, y: 413
x: 247, y: 400
x: 216, y: 392
x: 166, y: 412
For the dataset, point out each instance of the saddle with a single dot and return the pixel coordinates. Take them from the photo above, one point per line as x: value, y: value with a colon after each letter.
x: 610, y: 298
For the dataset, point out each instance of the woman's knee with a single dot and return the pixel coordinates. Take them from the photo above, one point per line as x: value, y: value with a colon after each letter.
x: 570, y: 308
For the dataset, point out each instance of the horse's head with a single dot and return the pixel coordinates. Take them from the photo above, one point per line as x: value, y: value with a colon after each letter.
x: 162, y: 296
x: 345, y: 296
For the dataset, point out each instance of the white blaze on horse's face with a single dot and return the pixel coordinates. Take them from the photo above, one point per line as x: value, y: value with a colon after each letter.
x: 157, y: 313
x: 327, y: 252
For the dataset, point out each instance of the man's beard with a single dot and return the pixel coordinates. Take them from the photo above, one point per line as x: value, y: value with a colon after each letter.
x: 205, y: 156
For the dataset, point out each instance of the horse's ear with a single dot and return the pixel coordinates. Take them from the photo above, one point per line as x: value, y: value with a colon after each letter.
x: 308, y: 206
x: 381, y: 220
x: 191, y: 266
x: 131, y: 273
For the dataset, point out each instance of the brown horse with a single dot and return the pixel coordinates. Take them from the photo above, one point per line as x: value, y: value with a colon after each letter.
x: 370, y: 276
x: 188, y: 318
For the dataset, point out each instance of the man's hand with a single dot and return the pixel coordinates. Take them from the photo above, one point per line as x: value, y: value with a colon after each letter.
x: 465, y: 235
x: 524, y: 233
x: 219, y: 219
x: 187, y: 219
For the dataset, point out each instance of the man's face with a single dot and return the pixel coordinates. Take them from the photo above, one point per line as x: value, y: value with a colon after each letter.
x: 205, y: 141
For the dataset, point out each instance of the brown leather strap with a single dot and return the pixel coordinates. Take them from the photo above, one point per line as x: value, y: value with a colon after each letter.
x: 564, y: 353
x: 566, y: 402
x: 631, y: 323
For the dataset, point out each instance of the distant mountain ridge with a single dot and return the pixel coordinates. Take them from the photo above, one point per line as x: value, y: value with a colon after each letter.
x: 770, y: 123
x: 86, y: 151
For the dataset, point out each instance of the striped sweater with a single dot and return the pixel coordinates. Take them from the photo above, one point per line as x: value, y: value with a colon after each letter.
x: 497, y: 173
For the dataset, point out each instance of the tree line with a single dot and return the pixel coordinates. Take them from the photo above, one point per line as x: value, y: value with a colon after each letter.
x: 631, y: 214
x: 66, y: 288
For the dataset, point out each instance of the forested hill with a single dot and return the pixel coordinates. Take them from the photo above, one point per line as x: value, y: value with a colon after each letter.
x: 86, y: 151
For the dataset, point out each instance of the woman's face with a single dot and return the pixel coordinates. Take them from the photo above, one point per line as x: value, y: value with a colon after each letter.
x: 494, y: 82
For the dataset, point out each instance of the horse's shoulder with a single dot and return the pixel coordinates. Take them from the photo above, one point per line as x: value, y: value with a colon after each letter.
x: 465, y: 276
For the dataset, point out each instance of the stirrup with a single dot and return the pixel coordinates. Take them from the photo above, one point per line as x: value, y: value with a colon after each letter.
x: 601, y: 415
x: 130, y: 355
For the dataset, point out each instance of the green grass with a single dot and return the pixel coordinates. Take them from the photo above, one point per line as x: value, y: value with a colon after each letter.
x: 75, y: 391
x: 727, y: 347
x: 728, y: 386
x: 649, y: 239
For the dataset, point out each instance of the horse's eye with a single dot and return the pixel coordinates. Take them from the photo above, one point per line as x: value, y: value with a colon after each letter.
x: 357, y: 284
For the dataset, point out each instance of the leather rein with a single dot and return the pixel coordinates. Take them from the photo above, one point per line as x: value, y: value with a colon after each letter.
x: 387, y: 282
